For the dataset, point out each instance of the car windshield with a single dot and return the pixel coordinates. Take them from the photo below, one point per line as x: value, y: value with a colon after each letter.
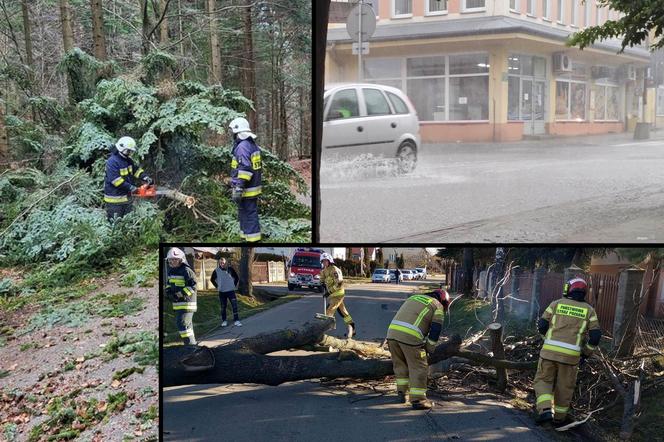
x: 380, y: 272
x: 306, y: 261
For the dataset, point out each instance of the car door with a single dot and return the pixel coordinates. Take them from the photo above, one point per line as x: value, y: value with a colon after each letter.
x: 343, y: 130
x: 381, y: 128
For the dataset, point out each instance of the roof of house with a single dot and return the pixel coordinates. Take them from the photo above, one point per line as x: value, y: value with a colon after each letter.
x: 475, y: 26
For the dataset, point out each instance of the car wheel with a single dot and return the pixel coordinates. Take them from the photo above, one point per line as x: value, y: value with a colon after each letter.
x: 291, y: 287
x: 406, y: 157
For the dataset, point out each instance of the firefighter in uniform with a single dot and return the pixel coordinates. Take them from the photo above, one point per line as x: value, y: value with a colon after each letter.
x: 333, y: 282
x: 564, y: 325
x: 246, y: 179
x: 120, y: 180
x: 412, y: 334
x: 181, y: 290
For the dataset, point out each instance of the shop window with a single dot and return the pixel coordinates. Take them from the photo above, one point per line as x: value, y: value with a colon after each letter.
x: 578, y: 101
x: 436, y: 6
x: 382, y: 68
x: 402, y: 7
x: 469, y: 64
x: 660, y: 101
x: 562, y: 100
x: 513, y: 98
x: 600, y: 103
x: 344, y: 105
x: 514, y: 64
x: 473, y: 4
x: 468, y: 98
x: 428, y: 97
x: 375, y: 102
x: 425, y: 66
x: 613, y: 103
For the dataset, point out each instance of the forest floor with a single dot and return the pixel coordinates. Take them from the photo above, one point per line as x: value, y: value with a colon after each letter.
x: 81, y: 362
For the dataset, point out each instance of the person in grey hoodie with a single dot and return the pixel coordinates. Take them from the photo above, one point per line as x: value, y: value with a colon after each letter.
x: 225, y: 279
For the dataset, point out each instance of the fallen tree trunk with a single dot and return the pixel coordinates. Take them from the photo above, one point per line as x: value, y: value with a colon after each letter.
x: 180, y: 197
x: 247, y: 360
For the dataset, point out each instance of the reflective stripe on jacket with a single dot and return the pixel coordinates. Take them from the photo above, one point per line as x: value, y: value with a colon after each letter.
x: 121, y: 174
x: 246, y: 168
x: 569, y: 322
x: 333, y: 279
x: 182, y: 281
x: 418, y: 321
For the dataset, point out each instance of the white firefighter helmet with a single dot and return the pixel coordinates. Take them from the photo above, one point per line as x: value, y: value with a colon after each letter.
x: 240, y: 126
x: 176, y: 253
x: 126, y: 144
x: 327, y: 256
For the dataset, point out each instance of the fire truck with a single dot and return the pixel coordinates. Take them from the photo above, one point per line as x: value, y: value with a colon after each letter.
x: 304, y: 269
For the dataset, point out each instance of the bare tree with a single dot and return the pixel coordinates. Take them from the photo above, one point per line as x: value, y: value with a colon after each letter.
x: 4, y: 140
x: 27, y: 33
x: 98, y: 33
x: 215, y: 49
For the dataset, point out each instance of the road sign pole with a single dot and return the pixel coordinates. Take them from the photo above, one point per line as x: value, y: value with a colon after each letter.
x: 359, y: 36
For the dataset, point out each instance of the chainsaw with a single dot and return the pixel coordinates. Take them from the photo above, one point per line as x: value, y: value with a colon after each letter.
x: 148, y: 191
x: 151, y: 191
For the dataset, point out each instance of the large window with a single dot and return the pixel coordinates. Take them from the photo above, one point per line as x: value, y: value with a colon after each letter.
x: 570, y: 100
x: 442, y: 87
x: 574, y: 12
x: 607, y: 102
x: 586, y: 14
x: 473, y: 4
x: 530, y: 7
x: 660, y: 101
x: 561, y: 11
x: 436, y: 6
x: 514, y: 5
x: 402, y: 7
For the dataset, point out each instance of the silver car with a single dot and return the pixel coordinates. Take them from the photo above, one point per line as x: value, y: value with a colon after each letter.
x: 370, y: 119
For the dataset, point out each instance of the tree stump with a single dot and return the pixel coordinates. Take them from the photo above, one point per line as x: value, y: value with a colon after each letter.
x: 496, y: 332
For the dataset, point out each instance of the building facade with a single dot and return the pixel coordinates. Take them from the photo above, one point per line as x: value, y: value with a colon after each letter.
x: 478, y: 70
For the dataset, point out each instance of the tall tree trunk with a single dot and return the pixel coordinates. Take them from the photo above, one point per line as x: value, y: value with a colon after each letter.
x: 283, y: 120
x: 321, y: 14
x: 27, y: 33
x: 367, y: 262
x: 98, y: 33
x: 215, y: 48
x: 303, y: 130
x: 27, y: 36
x: 65, y: 20
x: 145, y: 20
x: 467, y: 287
x: 4, y: 139
x: 163, y: 26
x: 249, y: 74
x: 246, y: 261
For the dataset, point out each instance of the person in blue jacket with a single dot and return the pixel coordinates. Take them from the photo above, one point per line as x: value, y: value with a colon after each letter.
x: 121, y: 179
x: 246, y: 178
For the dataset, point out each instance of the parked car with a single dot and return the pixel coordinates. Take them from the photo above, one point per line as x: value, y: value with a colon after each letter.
x: 408, y: 275
x: 416, y: 274
x: 380, y: 275
x: 363, y: 119
x: 422, y: 271
x: 393, y: 275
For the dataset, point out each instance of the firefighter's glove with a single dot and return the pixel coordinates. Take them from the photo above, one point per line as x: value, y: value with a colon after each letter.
x: 133, y: 189
x: 149, y: 181
x: 236, y: 195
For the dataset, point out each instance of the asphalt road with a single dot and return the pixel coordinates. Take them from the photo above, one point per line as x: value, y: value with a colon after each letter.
x: 591, y: 189
x: 310, y: 410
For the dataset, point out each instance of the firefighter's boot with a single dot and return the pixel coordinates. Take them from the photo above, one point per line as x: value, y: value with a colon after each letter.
x: 544, y: 417
x: 422, y: 404
x: 401, y: 397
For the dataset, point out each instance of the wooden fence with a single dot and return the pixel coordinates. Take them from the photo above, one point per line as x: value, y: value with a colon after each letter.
x: 603, y: 296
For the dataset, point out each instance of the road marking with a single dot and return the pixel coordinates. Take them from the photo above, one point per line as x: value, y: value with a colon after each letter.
x: 642, y: 143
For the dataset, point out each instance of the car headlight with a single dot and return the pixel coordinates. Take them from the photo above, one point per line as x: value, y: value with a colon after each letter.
x: 316, y: 276
x: 291, y: 274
